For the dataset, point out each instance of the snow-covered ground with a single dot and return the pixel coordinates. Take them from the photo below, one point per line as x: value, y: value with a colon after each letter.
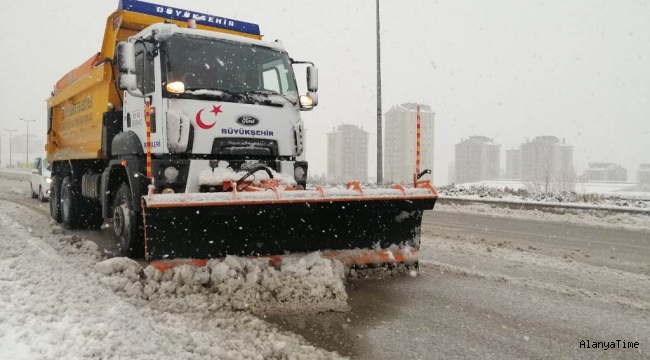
x: 503, y: 293
x: 613, y: 189
x: 15, y: 170
x: 56, y: 301
x: 597, y: 219
x: 518, y: 193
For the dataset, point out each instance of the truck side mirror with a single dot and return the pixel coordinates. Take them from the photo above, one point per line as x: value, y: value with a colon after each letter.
x: 312, y: 78
x: 126, y: 57
x: 126, y: 65
x: 129, y: 82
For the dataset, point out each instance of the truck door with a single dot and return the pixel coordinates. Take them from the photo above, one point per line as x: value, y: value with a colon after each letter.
x: 134, y: 114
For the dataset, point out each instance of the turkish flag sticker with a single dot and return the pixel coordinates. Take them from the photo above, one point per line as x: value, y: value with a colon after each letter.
x: 216, y: 110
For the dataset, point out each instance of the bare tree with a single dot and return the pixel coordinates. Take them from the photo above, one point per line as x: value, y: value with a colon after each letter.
x: 544, y: 179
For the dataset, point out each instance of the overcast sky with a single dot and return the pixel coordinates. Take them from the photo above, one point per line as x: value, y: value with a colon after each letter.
x: 510, y: 70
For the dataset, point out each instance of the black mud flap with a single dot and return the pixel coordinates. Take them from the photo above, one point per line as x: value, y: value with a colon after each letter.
x: 203, y: 231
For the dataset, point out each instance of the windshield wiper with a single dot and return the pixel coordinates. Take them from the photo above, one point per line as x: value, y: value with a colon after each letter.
x: 234, y: 96
x: 267, y: 92
x: 219, y: 93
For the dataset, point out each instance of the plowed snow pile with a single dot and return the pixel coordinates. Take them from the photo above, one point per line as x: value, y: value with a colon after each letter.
x: 53, y: 307
x: 301, y: 285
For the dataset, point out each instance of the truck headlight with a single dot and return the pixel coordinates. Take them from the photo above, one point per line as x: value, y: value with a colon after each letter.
x: 306, y: 101
x: 48, y: 180
x: 171, y: 173
x: 176, y: 87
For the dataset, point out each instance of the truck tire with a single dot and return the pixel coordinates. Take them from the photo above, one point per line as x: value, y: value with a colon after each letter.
x: 34, y: 195
x: 77, y: 212
x: 55, y: 198
x: 70, y: 211
x: 128, y: 224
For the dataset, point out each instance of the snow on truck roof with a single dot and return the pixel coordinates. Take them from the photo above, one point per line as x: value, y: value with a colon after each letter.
x: 178, y: 14
x: 214, y: 35
x: 227, y: 29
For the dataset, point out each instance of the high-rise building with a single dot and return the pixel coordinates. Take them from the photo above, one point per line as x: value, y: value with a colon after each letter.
x: 546, y: 156
x: 605, y: 172
x: 347, y: 154
x: 513, y: 164
x: 400, y: 142
x: 477, y: 158
x: 643, y: 175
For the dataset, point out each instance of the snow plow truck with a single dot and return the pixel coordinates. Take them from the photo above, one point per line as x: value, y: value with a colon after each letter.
x: 183, y: 135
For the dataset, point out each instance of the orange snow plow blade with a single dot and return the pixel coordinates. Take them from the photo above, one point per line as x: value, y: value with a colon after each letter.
x: 357, y: 226
x: 348, y: 257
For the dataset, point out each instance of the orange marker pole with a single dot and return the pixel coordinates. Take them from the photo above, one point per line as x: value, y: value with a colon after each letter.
x: 417, y: 143
x: 147, y: 119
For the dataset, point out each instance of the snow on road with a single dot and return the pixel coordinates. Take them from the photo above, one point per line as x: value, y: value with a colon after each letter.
x: 489, y: 260
x: 305, y: 285
x: 595, y: 218
x: 52, y: 306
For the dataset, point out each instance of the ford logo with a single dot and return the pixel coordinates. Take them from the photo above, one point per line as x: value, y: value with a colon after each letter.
x: 247, y: 121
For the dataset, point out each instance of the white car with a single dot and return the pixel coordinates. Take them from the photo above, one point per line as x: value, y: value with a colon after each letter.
x: 41, y: 179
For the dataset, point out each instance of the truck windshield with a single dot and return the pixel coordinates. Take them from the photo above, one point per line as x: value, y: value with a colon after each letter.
x: 215, y: 64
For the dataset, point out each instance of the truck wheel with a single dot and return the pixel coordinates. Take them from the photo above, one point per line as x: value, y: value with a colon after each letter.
x: 78, y: 212
x: 31, y: 187
x: 128, y: 224
x: 70, y: 210
x: 55, y: 198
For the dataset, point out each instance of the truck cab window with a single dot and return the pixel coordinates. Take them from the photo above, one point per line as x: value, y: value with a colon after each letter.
x: 214, y: 64
x: 271, y: 79
x: 274, y: 76
x: 139, y: 65
x: 149, y: 77
x: 144, y: 70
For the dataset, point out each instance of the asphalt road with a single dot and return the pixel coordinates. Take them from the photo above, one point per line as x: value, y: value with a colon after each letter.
x: 489, y: 288
x: 600, y: 246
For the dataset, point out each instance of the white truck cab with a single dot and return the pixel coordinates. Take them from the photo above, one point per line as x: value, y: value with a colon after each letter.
x: 41, y: 179
x: 214, y: 95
